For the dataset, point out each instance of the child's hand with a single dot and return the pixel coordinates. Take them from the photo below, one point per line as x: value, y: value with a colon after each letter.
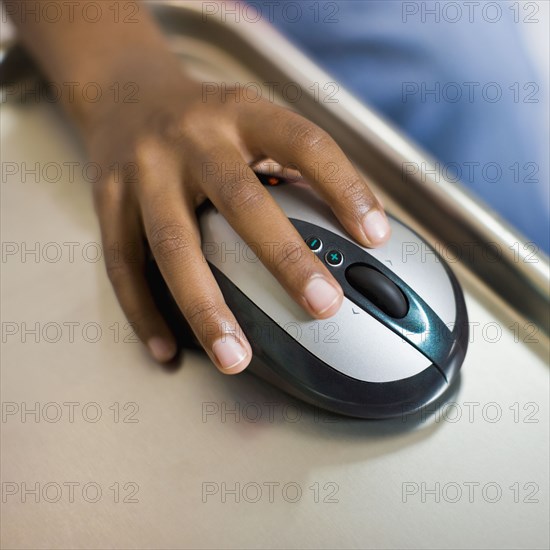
x: 171, y: 149
x: 176, y: 148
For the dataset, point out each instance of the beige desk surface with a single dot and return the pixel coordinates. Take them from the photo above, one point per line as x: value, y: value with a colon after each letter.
x: 170, y: 442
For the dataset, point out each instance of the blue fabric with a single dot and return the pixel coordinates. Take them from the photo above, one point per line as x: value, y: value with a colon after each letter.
x: 387, y: 54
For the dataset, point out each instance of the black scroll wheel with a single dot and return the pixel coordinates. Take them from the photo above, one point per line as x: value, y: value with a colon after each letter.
x: 377, y: 288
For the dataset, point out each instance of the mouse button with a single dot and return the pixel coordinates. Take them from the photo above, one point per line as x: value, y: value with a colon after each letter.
x: 314, y: 243
x: 377, y: 288
x: 356, y: 344
x: 334, y: 258
x: 420, y: 267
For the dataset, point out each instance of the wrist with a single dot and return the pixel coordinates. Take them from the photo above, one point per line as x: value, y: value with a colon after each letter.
x: 133, y: 80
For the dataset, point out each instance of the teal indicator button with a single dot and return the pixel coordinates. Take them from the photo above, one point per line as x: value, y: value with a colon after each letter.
x: 334, y: 258
x: 314, y: 243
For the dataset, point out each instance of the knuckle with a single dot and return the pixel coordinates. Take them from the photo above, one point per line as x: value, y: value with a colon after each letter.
x: 106, y: 194
x: 353, y: 191
x: 169, y: 239
x: 117, y: 272
x: 202, y: 310
x: 148, y: 151
x: 307, y: 136
x: 242, y: 196
x: 160, y: 127
x: 288, y: 256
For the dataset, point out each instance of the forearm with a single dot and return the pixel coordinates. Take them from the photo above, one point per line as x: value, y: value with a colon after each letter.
x: 74, y: 47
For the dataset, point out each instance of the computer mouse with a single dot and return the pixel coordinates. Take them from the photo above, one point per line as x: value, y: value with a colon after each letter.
x: 395, y: 345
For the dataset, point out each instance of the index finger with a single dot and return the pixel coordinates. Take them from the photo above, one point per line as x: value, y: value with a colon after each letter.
x: 294, y: 140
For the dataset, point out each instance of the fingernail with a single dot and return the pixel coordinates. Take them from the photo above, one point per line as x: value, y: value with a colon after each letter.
x: 229, y: 351
x: 162, y: 350
x: 320, y: 294
x: 376, y: 227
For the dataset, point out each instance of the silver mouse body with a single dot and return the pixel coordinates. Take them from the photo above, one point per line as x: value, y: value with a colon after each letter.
x: 398, y: 339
